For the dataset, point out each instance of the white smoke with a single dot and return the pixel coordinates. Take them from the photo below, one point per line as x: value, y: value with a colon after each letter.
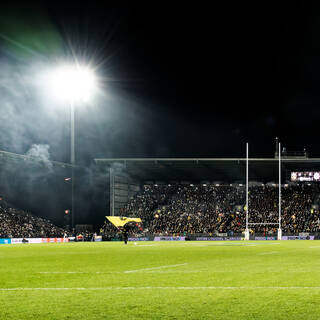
x: 41, y: 153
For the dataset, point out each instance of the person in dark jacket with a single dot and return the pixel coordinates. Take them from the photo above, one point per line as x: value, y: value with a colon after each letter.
x: 125, y: 233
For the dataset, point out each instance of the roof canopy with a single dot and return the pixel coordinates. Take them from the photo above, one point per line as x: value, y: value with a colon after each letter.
x: 210, y: 169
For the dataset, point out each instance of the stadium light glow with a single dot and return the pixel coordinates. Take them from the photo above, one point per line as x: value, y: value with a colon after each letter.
x: 72, y: 83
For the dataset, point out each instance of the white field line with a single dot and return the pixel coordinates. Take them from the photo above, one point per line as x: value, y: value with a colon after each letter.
x: 179, y: 271
x: 106, y: 272
x: 63, y: 272
x: 314, y: 247
x: 78, y: 272
x: 155, y: 268
x: 264, y: 253
x: 222, y: 271
x: 162, y: 288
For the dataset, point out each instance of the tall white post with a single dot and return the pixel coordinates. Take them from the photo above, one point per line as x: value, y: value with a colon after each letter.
x: 279, y: 229
x: 72, y: 160
x: 247, y: 232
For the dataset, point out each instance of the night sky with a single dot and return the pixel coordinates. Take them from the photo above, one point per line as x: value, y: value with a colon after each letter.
x: 208, y: 79
x: 176, y: 80
x: 191, y: 80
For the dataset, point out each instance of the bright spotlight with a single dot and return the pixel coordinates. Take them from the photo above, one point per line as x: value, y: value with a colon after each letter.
x: 72, y: 83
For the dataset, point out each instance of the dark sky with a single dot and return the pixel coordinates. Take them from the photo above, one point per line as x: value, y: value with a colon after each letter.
x: 192, y: 80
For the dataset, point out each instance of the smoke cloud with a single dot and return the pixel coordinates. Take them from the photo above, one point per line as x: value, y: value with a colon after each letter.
x: 41, y: 153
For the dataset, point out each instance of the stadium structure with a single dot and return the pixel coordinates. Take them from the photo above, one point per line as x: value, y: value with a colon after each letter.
x: 124, y: 179
x: 127, y: 176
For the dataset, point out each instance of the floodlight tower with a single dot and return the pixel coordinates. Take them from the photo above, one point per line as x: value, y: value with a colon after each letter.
x: 74, y: 84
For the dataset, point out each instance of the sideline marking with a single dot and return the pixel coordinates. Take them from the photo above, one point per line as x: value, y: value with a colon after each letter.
x: 78, y: 272
x: 155, y: 268
x: 63, y: 272
x: 158, y: 288
x: 183, y: 271
x: 101, y: 272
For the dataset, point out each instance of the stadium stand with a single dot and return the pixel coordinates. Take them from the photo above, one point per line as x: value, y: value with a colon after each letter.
x: 17, y: 223
x: 187, y: 209
x: 210, y: 209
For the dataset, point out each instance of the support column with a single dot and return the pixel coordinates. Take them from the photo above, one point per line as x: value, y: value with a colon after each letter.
x: 111, y: 173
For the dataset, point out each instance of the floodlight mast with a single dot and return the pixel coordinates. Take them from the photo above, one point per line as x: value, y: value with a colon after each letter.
x: 73, y: 84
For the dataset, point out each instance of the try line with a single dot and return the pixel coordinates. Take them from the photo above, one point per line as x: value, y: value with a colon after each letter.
x: 160, y: 288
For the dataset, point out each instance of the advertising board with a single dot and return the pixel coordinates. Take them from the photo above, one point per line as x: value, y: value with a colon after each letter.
x: 218, y: 238
x: 5, y: 241
x: 265, y: 238
x: 165, y: 238
x: 139, y: 239
x: 38, y: 240
x: 297, y: 238
x: 54, y: 240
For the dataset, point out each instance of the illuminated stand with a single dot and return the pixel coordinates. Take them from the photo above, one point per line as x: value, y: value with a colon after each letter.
x: 247, y: 230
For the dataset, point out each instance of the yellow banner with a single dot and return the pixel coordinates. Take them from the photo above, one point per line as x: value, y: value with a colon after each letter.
x: 121, y: 221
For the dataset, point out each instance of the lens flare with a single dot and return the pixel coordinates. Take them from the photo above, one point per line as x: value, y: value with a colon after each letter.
x: 72, y: 83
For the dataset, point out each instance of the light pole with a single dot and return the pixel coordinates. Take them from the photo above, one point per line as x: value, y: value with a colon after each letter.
x: 74, y: 84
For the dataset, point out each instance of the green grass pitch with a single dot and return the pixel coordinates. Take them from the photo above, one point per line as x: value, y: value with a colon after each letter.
x: 161, y: 280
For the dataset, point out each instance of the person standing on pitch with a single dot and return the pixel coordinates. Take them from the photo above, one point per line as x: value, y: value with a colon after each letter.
x: 124, y: 231
x: 125, y: 235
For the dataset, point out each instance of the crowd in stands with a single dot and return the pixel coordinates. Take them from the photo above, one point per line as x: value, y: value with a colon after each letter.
x: 16, y: 223
x: 109, y: 230
x: 186, y: 209
x: 211, y: 209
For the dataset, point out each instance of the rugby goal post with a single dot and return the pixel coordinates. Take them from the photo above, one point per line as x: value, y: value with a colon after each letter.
x: 247, y: 230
